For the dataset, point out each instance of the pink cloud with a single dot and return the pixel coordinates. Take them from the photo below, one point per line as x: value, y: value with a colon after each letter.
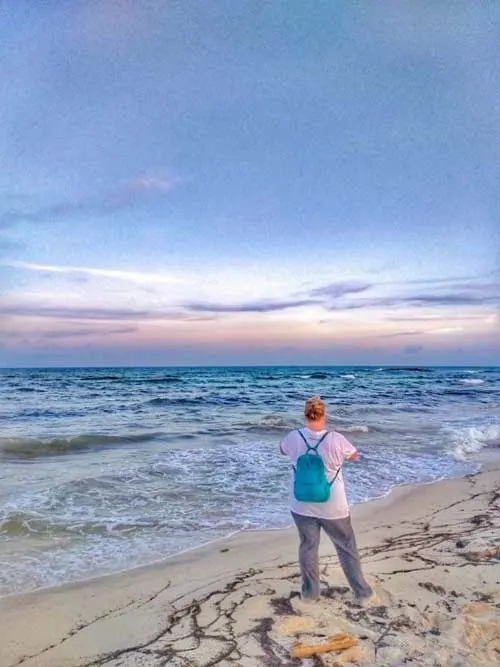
x: 153, y: 183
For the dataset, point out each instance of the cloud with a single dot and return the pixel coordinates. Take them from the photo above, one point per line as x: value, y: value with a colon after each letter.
x: 140, y: 277
x: 127, y: 195
x: 98, y: 314
x: 444, y: 330
x: 152, y: 184
x: 415, y: 332
x: 264, y: 306
x: 337, y: 290
x: 448, y: 292
x: 471, y: 280
x: 403, y: 333
x: 334, y: 297
x: 62, y: 312
x: 95, y: 207
x: 314, y: 297
x: 85, y: 332
x: 438, y: 318
x: 420, y: 300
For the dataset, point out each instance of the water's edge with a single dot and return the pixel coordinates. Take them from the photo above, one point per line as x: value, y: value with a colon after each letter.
x: 163, y: 562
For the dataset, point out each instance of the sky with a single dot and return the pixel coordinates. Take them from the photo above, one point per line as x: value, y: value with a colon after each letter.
x: 249, y: 182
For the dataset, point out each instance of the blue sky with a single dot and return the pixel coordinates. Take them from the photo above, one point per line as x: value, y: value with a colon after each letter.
x: 249, y: 182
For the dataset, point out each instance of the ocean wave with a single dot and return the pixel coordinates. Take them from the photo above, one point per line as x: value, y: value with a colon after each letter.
x: 101, y: 377
x: 408, y: 369
x: 182, y: 400
x: 471, y: 440
x: 271, y: 423
x: 361, y: 428
x: 471, y: 381
x: 316, y: 375
x: 27, y: 448
x: 28, y: 524
x: 349, y: 376
x: 199, y: 400
x: 168, y: 379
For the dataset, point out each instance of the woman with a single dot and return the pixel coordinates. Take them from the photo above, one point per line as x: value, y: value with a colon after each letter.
x: 332, y: 515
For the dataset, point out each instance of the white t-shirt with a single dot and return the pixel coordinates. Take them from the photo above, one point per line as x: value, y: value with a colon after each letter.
x: 333, y: 450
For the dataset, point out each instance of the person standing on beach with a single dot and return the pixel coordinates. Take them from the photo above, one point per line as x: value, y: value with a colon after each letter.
x: 331, y: 515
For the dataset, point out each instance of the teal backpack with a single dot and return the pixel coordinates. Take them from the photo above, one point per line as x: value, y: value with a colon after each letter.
x: 310, y: 482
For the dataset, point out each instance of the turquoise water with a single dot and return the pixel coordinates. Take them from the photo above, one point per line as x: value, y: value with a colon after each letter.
x: 104, y: 469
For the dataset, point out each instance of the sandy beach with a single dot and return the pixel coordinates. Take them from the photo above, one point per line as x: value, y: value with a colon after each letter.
x: 431, y: 552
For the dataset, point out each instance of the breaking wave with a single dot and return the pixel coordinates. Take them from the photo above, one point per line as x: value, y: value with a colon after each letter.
x: 361, y: 428
x: 468, y: 441
x: 27, y: 448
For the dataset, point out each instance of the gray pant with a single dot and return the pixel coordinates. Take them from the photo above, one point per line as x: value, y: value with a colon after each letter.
x: 342, y: 535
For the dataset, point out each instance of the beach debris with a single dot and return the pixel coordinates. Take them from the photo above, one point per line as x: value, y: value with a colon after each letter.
x: 485, y: 554
x: 433, y: 588
x: 337, y: 642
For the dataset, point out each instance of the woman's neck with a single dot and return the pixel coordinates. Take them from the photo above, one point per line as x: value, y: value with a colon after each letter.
x: 316, y: 425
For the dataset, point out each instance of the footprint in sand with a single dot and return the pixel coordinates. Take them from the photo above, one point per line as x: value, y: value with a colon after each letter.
x: 381, y: 597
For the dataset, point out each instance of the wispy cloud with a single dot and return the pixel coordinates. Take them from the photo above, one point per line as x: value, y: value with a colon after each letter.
x: 420, y: 300
x: 140, y: 277
x: 479, y: 317
x: 450, y: 292
x: 153, y: 184
x: 71, y: 313
x: 314, y: 297
x: 263, y: 306
x: 424, y: 332
x: 74, y: 313
x: 87, y: 332
x: 112, y: 200
x: 343, y: 296
x: 399, y: 334
x: 450, y: 280
x: 444, y: 331
x: 337, y: 290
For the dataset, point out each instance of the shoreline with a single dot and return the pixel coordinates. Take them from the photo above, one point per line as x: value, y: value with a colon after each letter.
x: 220, y: 540
x: 127, y: 615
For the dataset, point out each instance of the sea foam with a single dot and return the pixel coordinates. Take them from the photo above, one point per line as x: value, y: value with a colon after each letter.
x: 468, y: 441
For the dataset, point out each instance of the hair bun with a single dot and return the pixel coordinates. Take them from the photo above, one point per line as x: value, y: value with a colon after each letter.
x: 314, y: 409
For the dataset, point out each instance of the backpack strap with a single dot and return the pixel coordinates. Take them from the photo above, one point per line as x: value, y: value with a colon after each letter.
x: 336, y: 475
x: 312, y: 448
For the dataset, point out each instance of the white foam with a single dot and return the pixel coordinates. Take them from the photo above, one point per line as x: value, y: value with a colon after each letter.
x: 349, y: 376
x: 471, y: 381
x: 469, y: 441
x: 361, y: 428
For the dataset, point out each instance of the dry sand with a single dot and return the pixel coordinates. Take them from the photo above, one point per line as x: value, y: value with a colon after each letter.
x: 431, y: 553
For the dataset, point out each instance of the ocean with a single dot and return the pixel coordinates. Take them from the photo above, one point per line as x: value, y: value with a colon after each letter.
x: 104, y: 469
